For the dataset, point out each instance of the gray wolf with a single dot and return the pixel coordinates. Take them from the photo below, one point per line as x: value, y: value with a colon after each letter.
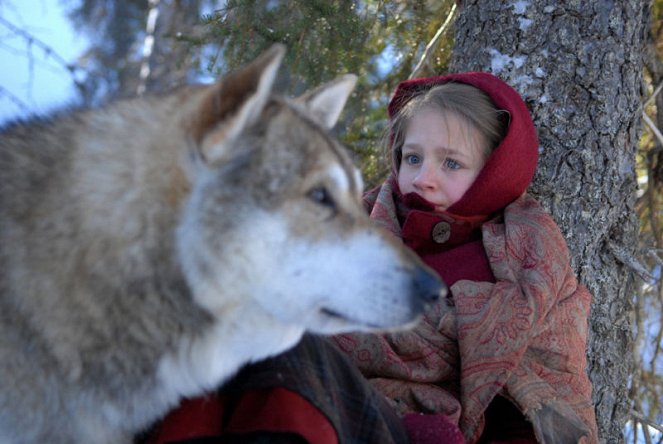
x: 150, y: 248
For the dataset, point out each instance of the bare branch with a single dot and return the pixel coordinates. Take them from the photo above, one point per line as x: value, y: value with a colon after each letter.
x: 640, y: 417
x: 33, y: 41
x: 653, y: 96
x: 15, y: 100
x: 433, y: 43
x: 630, y: 261
x: 652, y: 126
x: 653, y: 253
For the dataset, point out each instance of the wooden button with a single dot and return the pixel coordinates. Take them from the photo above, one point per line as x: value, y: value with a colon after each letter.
x: 441, y: 232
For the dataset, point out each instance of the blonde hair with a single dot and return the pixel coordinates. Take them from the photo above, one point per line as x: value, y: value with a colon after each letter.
x: 469, y: 103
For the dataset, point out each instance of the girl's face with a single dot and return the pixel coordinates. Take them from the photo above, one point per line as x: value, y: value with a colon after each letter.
x: 442, y: 155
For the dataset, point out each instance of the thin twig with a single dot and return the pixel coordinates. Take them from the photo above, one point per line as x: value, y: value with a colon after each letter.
x: 659, y: 337
x: 15, y: 100
x: 654, y: 94
x: 652, y: 126
x: 433, y: 43
x: 32, y: 40
x: 627, y: 259
x: 640, y: 417
x: 653, y: 253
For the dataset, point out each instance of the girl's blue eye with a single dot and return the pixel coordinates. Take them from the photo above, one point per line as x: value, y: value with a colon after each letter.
x: 412, y: 159
x: 451, y: 164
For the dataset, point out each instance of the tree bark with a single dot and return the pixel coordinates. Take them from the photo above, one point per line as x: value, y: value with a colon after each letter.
x: 578, y: 65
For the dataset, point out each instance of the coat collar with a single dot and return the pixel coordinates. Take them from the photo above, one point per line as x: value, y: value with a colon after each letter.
x: 426, y: 231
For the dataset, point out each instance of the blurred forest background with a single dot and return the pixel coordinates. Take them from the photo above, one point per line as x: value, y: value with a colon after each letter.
x: 146, y: 46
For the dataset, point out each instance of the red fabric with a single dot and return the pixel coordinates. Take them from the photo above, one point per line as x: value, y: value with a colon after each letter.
x: 194, y: 418
x: 511, y: 166
x: 468, y: 261
x: 432, y: 429
x: 268, y: 410
x: 280, y: 410
x: 461, y: 256
x: 419, y: 221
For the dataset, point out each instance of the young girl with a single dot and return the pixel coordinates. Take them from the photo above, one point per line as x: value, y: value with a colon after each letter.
x: 506, y: 357
x: 502, y: 359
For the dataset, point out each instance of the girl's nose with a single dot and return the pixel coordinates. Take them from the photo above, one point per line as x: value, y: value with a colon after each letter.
x: 425, y: 178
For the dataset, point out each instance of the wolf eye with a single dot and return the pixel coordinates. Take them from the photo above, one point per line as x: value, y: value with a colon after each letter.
x: 321, y: 196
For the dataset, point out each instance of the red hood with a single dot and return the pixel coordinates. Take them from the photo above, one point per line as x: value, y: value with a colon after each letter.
x: 510, y: 168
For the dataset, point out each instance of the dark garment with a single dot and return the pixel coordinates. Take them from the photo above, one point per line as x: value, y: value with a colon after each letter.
x: 317, y: 371
x: 505, y: 424
x: 310, y: 394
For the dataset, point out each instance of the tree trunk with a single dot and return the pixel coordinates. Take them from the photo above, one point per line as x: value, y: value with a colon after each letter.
x: 578, y: 66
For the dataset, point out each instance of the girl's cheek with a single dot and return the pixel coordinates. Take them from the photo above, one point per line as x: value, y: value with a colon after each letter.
x: 404, y: 180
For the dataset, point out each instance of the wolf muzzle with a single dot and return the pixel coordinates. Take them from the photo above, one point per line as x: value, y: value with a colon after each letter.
x: 428, y: 288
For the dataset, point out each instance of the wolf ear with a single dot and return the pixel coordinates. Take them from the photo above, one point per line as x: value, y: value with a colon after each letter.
x: 327, y: 101
x: 235, y: 102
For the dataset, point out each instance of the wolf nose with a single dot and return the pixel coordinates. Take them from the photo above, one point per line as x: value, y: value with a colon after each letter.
x: 428, y: 285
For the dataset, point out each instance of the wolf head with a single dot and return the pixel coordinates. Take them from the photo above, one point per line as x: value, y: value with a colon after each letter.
x: 150, y: 248
x: 274, y: 220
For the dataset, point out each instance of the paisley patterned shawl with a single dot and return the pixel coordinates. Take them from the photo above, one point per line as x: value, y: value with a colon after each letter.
x: 522, y: 337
